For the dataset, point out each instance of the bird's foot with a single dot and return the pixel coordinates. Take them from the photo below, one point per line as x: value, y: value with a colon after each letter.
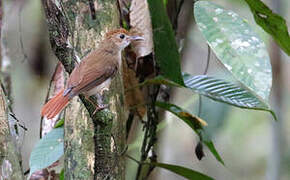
x: 100, y: 107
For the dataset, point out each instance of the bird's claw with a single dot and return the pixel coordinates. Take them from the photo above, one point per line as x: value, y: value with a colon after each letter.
x: 100, y: 107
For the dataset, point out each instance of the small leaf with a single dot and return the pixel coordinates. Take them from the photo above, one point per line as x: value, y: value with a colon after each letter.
x: 61, y: 175
x: 237, y: 46
x: 192, y: 121
x: 195, y: 118
x: 271, y: 22
x: 213, y: 150
x: 199, y: 151
x: 165, y: 48
x: 59, y: 123
x: 48, y: 150
x: 182, y: 171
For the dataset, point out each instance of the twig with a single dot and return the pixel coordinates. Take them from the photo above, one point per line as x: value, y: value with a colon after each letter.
x: 150, y: 126
x: 204, y: 73
x: 133, y: 159
x: 92, y: 9
x: 17, y: 120
x: 11, y: 113
x: 25, y: 57
x: 129, y: 122
x: 175, y: 24
x: 199, y: 147
x: 207, y: 60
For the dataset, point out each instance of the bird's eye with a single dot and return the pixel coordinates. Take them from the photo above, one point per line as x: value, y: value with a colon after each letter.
x: 122, y: 36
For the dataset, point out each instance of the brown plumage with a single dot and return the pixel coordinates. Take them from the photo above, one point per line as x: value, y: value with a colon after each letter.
x: 94, y: 71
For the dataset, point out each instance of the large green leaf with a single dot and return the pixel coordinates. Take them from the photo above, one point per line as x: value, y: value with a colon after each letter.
x: 182, y: 171
x: 223, y: 91
x: 271, y: 22
x: 218, y: 90
x: 165, y: 48
x: 226, y: 92
x: 48, y: 150
x: 194, y: 122
x: 237, y: 46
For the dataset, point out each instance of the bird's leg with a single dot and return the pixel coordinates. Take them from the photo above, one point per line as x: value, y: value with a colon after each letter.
x: 99, y: 105
x: 100, y: 101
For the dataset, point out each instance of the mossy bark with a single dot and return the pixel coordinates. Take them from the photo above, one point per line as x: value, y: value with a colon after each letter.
x: 9, y: 157
x: 10, y: 161
x: 93, y: 143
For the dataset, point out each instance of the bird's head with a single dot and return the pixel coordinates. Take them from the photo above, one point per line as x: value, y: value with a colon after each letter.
x: 122, y: 38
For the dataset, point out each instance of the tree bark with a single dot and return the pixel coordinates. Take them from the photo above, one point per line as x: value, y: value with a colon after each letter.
x: 10, y: 167
x: 93, y: 143
x: 9, y: 157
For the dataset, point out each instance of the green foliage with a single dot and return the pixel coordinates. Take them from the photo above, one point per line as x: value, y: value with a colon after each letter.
x: 165, y: 48
x: 59, y: 123
x: 271, y: 22
x: 48, y: 150
x: 237, y: 46
x: 182, y: 171
x: 194, y: 122
x: 218, y: 90
x: 61, y: 175
x: 226, y: 92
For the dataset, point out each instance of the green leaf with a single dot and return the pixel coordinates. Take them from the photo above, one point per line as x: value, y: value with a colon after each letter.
x: 223, y: 91
x: 194, y: 122
x: 165, y: 48
x: 61, y: 175
x: 59, y: 123
x: 48, y: 150
x: 237, y: 46
x: 213, y: 150
x: 271, y: 22
x: 226, y: 92
x: 218, y: 90
x: 182, y: 171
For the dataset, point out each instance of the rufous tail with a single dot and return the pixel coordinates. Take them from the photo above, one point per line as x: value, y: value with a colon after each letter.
x: 55, y: 105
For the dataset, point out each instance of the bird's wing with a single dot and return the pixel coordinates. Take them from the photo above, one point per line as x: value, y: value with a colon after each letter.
x: 90, y: 73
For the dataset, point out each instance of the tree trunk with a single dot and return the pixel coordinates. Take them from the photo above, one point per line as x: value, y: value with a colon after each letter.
x: 275, y: 165
x: 9, y: 158
x: 92, y: 145
x: 10, y: 167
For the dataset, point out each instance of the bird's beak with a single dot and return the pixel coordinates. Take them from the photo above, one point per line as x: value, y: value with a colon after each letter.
x: 136, y: 38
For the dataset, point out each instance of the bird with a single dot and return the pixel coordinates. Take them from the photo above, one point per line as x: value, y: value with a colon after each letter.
x: 93, y: 73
